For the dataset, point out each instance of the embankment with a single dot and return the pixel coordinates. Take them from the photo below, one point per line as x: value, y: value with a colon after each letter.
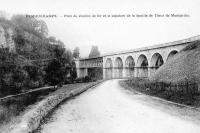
x: 31, y: 119
x: 184, y: 66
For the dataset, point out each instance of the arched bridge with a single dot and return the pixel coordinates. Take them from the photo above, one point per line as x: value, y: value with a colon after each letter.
x: 140, y: 62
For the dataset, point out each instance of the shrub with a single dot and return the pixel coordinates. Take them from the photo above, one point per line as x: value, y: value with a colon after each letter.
x: 87, y: 79
x: 54, y: 73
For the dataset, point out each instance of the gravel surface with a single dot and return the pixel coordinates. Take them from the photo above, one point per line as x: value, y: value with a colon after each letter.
x: 109, y: 108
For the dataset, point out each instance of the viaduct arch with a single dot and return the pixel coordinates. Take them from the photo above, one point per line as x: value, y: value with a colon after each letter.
x: 171, y: 54
x: 109, y: 68
x: 129, y: 66
x: 142, y: 66
x: 140, y: 62
x: 118, y: 73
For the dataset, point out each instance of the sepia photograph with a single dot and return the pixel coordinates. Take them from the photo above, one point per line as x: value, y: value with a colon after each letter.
x: 99, y: 66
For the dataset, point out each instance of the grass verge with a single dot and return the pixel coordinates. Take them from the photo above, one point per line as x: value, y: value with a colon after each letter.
x: 147, y: 87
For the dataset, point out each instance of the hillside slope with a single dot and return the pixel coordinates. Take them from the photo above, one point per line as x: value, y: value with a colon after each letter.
x: 183, y: 66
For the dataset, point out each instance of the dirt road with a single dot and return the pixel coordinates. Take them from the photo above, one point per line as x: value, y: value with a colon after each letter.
x: 109, y: 108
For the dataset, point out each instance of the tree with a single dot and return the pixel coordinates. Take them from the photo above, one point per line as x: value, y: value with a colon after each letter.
x: 68, y: 57
x: 60, y: 43
x: 76, y: 53
x: 30, y: 36
x: 42, y: 28
x: 52, y: 39
x: 59, y: 67
x: 32, y: 25
x: 94, y: 52
x: 54, y: 73
x: 13, y: 77
x: 73, y: 73
x: 3, y: 14
x: 37, y: 57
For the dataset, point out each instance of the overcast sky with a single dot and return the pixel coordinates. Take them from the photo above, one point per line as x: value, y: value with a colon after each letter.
x: 113, y: 34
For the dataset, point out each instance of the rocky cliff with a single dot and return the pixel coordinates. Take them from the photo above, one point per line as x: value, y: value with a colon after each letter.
x: 6, y: 38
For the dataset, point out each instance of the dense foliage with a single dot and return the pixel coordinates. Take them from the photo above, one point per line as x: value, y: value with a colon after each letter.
x: 38, y: 60
x: 31, y: 25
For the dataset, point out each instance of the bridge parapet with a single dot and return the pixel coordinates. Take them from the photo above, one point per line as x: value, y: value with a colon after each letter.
x: 157, y: 46
x: 141, y: 62
x: 90, y: 62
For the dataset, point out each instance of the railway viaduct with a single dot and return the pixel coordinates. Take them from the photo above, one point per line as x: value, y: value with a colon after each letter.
x: 141, y: 62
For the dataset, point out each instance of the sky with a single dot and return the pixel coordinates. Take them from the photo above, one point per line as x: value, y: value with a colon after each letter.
x: 114, y: 33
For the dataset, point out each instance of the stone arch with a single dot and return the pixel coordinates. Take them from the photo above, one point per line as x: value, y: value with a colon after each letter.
x: 142, y: 66
x: 171, y: 54
x: 118, y: 62
x: 156, y: 60
x: 109, y: 63
x: 108, y: 68
x: 142, y: 61
x: 129, y: 66
x: 129, y: 62
x: 118, y: 68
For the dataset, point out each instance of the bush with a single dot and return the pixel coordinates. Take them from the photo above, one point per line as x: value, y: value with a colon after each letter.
x: 83, y: 79
x: 68, y: 80
x: 73, y: 74
x: 11, y: 72
x: 87, y: 79
x: 54, y: 73
x: 16, y: 75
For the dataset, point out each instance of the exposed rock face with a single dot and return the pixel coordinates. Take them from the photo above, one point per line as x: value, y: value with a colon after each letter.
x: 6, y: 40
x: 2, y: 37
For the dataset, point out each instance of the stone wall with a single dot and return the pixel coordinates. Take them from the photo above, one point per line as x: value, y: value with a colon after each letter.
x: 32, y: 118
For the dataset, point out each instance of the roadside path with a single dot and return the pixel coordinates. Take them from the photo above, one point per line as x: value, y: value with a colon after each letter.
x: 109, y: 108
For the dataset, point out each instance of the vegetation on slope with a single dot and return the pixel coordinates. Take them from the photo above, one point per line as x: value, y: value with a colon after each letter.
x: 177, y: 80
x: 184, y: 66
x: 29, y: 66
